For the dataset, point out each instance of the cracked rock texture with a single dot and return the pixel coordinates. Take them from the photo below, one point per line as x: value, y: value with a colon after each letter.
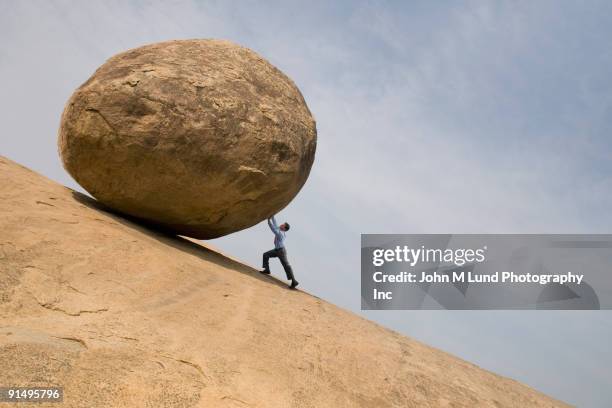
x: 122, y: 316
x: 202, y: 137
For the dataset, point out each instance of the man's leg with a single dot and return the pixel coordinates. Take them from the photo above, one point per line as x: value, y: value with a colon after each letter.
x: 282, y: 256
x: 266, y: 260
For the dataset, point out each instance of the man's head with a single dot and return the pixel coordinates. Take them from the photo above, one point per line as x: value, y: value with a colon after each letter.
x: 284, y: 226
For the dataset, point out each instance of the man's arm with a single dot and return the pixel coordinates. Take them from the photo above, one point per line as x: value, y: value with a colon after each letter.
x: 272, y: 224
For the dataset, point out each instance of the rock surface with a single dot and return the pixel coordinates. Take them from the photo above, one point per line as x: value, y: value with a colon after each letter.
x: 121, y: 316
x: 202, y: 137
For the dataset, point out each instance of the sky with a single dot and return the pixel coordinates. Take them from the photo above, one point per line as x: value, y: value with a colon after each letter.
x: 432, y: 117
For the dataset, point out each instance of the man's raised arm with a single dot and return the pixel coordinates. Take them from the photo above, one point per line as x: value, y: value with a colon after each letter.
x: 272, y: 224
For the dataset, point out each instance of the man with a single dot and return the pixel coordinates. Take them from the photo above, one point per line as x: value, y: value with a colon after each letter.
x: 279, y: 251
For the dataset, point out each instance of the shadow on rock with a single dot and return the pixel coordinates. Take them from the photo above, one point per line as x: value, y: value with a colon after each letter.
x: 168, y: 238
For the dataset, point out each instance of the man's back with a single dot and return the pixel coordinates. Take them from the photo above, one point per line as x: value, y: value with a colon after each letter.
x: 279, y: 235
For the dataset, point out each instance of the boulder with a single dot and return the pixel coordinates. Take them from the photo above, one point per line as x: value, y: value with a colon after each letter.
x: 200, y: 137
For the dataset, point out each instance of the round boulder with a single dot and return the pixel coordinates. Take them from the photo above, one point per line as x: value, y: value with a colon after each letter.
x: 200, y: 137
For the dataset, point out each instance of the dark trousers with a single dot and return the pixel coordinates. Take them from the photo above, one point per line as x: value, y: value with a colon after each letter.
x: 281, y: 254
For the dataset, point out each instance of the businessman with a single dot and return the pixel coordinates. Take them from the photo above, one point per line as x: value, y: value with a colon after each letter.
x: 279, y: 251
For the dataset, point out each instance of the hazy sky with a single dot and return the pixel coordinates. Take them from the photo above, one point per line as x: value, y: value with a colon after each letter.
x: 433, y: 117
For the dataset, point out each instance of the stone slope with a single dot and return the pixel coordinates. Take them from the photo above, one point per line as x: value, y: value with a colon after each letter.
x: 123, y: 316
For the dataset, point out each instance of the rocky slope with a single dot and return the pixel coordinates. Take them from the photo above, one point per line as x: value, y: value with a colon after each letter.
x: 123, y: 316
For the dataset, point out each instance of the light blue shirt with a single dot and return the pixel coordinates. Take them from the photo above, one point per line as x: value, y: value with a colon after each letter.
x: 279, y: 236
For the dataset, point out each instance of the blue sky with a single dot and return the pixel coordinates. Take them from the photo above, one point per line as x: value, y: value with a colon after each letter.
x: 433, y: 117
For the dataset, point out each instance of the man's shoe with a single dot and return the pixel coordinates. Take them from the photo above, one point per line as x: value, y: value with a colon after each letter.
x: 294, y: 283
x: 265, y: 271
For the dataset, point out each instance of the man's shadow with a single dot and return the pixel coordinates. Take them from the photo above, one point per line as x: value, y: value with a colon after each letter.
x: 175, y: 241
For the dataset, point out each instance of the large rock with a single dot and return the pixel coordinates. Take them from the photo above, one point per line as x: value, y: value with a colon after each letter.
x: 202, y: 137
